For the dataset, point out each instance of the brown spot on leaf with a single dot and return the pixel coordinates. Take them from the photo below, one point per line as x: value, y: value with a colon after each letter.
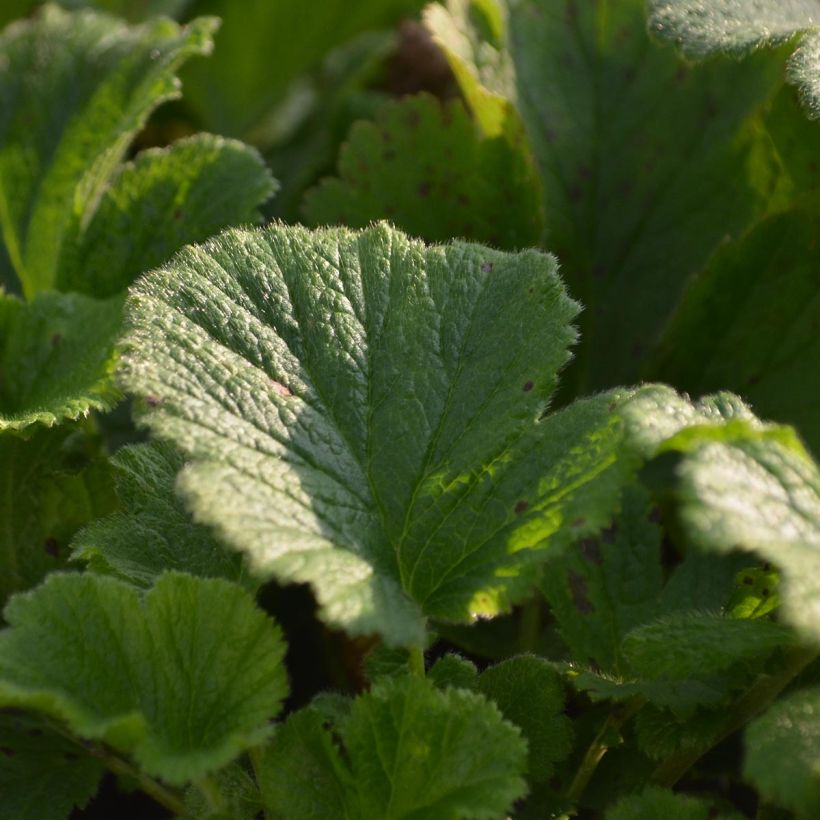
x: 424, y: 189
x: 681, y: 74
x: 56, y: 339
x: 7, y: 751
x: 528, y: 386
x: 747, y: 580
x: 579, y: 522
x: 486, y: 267
x: 178, y: 214
x: 608, y: 534
x: 578, y: 589
x: 753, y: 379
x: 389, y: 155
x: 591, y: 550
x: 51, y: 547
x: 521, y: 506
x: 280, y: 389
x: 153, y: 401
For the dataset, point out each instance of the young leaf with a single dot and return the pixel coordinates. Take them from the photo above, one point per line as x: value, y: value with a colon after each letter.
x: 738, y: 26
x: 783, y: 753
x: 714, y: 339
x: 453, y: 670
x: 166, y: 198
x: 56, y: 357
x: 152, y: 532
x: 364, y: 414
x: 183, y: 679
x: 410, y: 751
x: 74, y: 89
x: 530, y: 694
x: 634, y: 201
x: 43, y: 775
x: 48, y: 493
x: 424, y: 166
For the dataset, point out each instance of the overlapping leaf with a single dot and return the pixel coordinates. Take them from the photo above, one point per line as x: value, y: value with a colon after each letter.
x: 410, y: 751
x: 654, y: 802
x: 364, y: 414
x: 48, y: 492
x: 646, y: 163
x: 737, y: 26
x: 424, y: 166
x: 183, y: 679
x: 152, y: 532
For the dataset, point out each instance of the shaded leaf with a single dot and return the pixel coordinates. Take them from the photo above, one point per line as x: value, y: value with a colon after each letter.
x: 151, y: 532
x: 410, y: 751
x: 424, y: 166
x: 654, y: 802
x: 74, y: 89
x: 453, y: 670
x: 56, y: 358
x: 183, y: 679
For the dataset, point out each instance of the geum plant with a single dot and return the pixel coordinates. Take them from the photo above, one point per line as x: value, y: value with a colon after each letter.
x: 378, y: 418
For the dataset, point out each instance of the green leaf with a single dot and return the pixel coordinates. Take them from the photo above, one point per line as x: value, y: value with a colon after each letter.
x: 48, y: 491
x: 530, y: 694
x: 131, y: 10
x: 453, y: 670
x: 244, y: 82
x: 425, y: 166
x: 74, y: 89
x: 183, y: 679
x: 364, y: 414
x: 152, y: 532
x: 233, y: 795
x: 654, y: 802
x: 763, y: 496
x: 647, y: 164
x: 56, y: 358
x: 43, y: 775
x: 608, y: 583
x: 660, y: 734
x: 410, y: 751
x: 738, y: 26
x: 783, y: 753
x: 765, y: 278
x: 166, y: 198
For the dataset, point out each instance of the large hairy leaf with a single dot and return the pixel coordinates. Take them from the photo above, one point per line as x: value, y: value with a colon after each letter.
x: 410, y: 751
x: 151, y: 532
x: 182, y: 679
x: 425, y: 166
x: 74, y: 89
x: 56, y: 358
x: 364, y: 414
x: 47, y: 492
x: 646, y: 163
x: 736, y: 26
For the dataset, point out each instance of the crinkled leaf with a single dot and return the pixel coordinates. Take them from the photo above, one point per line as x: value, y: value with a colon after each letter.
x: 183, y: 679
x: 660, y: 734
x: 151, y: 532
x: 239, y: 797
x: 424, y: 166
x: 530, y: 694
x: 48, y: 490
x: 364, y: 414
x: 646, y: 164
x: 43, y: 775
x: 763, y: 496
x: 738, y: 26
x: 608, y: 583
x: 246, y: 79
x: 56, y: 358
x: 783, y: 753
x: 74, y: 89
x: 765, y: 279
x: 653, y: 803
x: 410, y: 751
x: 164, y: 199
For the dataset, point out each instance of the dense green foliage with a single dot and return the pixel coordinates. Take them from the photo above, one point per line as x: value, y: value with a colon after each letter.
x: 439, y: 504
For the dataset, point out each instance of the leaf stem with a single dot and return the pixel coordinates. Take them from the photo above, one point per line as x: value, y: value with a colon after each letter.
x: 599, y: 747
x: 211, y: 792
x: 417, y: 661
x: 756, y: 699
x: 171, y: 800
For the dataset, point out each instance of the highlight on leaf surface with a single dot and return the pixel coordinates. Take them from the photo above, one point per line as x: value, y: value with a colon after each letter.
x: 408, y: 750
x: 364, y: 413
x: 112, y: 667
